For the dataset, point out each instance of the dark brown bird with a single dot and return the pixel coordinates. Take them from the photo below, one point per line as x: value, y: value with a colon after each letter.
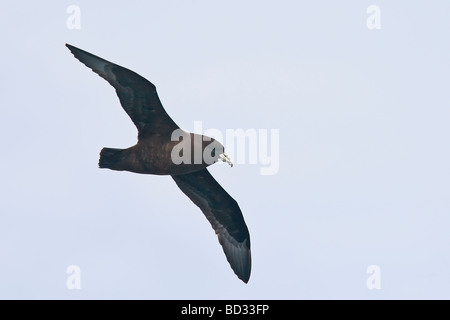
x: 164, y: 149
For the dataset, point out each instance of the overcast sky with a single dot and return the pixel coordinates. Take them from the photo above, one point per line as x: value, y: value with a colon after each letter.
x: 363, y: 173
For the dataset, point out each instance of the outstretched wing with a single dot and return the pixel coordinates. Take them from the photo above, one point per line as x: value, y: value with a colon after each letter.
x: 137, y: 95
x: 224, y: 214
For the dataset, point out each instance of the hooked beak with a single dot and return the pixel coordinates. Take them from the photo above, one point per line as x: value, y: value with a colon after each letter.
x: 223, y: 157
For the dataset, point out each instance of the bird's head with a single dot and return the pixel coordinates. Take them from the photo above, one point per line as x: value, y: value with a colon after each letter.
x: 213, y: 151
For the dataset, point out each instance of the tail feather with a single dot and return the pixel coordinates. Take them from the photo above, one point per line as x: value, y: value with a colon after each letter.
x: 110, y: 157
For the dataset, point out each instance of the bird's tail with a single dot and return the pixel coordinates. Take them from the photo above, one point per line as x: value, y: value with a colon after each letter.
x: 110, y: 158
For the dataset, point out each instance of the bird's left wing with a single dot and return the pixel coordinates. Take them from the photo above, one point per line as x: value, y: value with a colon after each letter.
x: 225, y: 216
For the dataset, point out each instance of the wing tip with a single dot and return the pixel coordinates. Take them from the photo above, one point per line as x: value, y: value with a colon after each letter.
x: 244, y: 278
x: 78, y: 53
x: 244, y: 274
x: 71, y: 47
x: 240, y: 259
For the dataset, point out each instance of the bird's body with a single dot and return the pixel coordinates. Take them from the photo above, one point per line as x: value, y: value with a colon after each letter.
x: 164, y: 149
x: 152, y: 155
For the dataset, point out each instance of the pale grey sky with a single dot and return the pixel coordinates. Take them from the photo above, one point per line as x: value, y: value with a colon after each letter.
x: 363, y: 173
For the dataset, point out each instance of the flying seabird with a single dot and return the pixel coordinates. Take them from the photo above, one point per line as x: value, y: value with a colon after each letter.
x: 157, y: 152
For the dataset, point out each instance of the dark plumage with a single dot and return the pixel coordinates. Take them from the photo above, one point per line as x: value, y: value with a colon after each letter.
x: 153, y: 155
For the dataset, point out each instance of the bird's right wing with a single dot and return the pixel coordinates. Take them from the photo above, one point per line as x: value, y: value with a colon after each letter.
x: 225, y: 216
x: 136, y: 94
